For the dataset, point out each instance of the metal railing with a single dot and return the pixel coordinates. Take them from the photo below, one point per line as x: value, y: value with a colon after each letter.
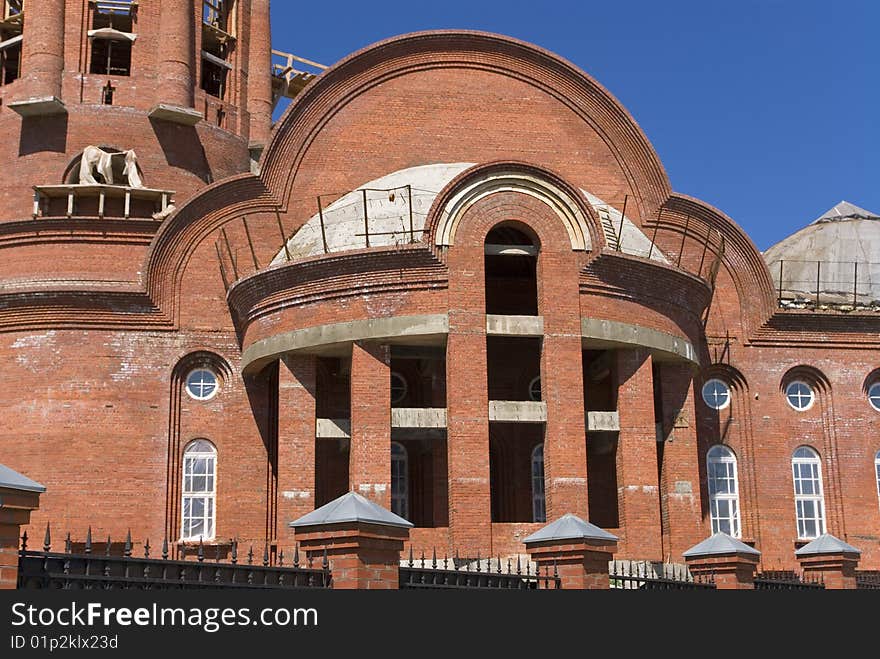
x: 868, y: 580
x: 845, y: 285
x: 786, y: 580
x: 461, y: 574
x: 91, y: 569
x: 643, y: 575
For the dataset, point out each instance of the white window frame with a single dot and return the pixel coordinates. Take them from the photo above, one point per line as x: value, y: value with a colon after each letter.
x: 874, y: 395
x: 201, y: 397
x: 806, y: 466
x: 399, y: 480
x: 800, y: 396
x: 711, y: 398
x: 199, y: 449
x: 724, y: 458
x: 539, y: 499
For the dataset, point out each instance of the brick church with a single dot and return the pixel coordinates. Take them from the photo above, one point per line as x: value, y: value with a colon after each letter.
x: 453, y: 277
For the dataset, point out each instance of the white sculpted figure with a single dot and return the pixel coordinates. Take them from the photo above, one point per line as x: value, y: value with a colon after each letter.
x: 95, y: 159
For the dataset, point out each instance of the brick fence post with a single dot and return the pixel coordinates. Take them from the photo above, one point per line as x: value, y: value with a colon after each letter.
x: 577, y: 550
x: 19, y: 495
x: 363, y: 541
x: 831, y: 560
x: 728, y: 561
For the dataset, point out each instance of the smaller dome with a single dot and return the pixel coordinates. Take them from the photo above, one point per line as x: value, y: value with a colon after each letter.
x: 835, y: 258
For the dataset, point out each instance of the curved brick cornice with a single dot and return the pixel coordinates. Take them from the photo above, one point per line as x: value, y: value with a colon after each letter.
x: 420, y: 51
x: 741, y: 258
x: 549, y: 187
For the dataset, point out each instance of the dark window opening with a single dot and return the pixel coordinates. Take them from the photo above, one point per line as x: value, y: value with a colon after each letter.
x: 107, y: 94
x: 512, y: 364
x: 214, y: 79
x: 10, y: 64
x: 332, y: 388
x: 120, y: 19
x: 217, y: 14
x: 422, y: 373
x: 11, y: 25
x: 331, y: 470
x: 511, y: 479
x: 602, y: 479
x: 111, y: 57
x: 425, y: 491
x: 600, y: 390
x: 511, y: 272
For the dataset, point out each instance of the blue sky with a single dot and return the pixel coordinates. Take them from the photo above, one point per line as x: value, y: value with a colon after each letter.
x: 766, y: 109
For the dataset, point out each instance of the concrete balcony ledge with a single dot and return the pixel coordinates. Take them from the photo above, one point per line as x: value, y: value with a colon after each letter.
x: 603, y: 422
x: 175, y: 114
x: 517, y: 411
x: 501, y: 325
x: 38, y: 107
x: 418, y: 417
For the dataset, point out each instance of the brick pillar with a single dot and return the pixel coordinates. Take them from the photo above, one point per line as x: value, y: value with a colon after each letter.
x: 830, y: 560
x: 370, y: 456
x: 18, y: 497
x: 727, y: 561
x: 681, y: 514
x: 363, y: 542
x: 296, y: 437
x: 637, y: 479
x: 175, y: 92
x: 577, y: 550
x: 562, y: 387
x: 42, y: 52
x: 259, y: 86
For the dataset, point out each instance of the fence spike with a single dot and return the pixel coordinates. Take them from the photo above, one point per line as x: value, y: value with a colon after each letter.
x: 67, y: 545
x: 478, y: 560
x: 234, y: 552
x: 423, y: 559
x: 88, y: 547
x: 499, y: 564
x: 434, y: 558
x: 410, y: 556
x: 456, y: 563
x: 200, y: 555
x: 107, y: 550
x: 281, y: 559
x: 165, y: 549
x: 445, y: 561
x: 508, y: 565
x: 251, y: 555
x: 310, y: 560
x: 555, y: 570
x: 127, y: 550
x: 518, y: 565
x: 47, y: 541
x: 24, y: 538
x: 147, y: 548
x: 266, y: 554
x: 216, y: 553
x: 296, y: 555
x: 325, y: 563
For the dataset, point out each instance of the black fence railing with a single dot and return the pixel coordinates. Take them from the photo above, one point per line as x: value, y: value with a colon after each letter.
x: 457, y: 573
x: 786, y: 580
x: 92, y: 569
x: 842, y: 285
x: 868, y: 580
x: 643, y: 575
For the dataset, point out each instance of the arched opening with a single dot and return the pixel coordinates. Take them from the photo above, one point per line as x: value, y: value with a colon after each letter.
x: 199, y: 492
x: 723, y: 490
x: 399, y: 480
x: 511, y: 262
x: 539, y: 507
x: 809, y: 498
x: 118, y: 174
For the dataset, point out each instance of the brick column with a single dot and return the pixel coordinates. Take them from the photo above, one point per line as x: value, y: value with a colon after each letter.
x: 562, y: 385
x: 370, y: 456
x: 42, y: 52
x: 18, y: 497
x: 296, y: 436
x: 363, y: 542
x: 831, y: 560
x: 259, y: 102
x: 726, y: 560
x: 577, y: 550
x: 637, y: 480
x: 681, y: 515
x: 175, y: 92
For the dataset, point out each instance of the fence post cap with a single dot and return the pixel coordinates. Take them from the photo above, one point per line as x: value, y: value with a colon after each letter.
x: 720, y: 544
x: 12, y: 480
x: 570, y: 527
x: 827, y: 544
x: 351, y: 507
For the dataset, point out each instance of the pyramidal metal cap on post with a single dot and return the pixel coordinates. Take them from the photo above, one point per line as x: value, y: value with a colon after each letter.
x: 719, y: 544
x: 14, y: 481
x: 570, y: 527
x: 827, y: 544
x: 351, y: 507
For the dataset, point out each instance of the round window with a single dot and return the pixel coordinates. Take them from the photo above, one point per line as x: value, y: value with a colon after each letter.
x: 799, y: 395
x: 716, y: 394
x: 535, y: 389
x: 202, y: 384
x: 398, y: 388
x: 874, y: 395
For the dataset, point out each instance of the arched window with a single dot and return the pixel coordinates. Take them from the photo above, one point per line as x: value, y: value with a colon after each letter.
x: 511, y: 271
x: 399, y: 480
x: 539, y: 511
x: 808, y: 497
x: 199, y: 491
x: 723, y: 491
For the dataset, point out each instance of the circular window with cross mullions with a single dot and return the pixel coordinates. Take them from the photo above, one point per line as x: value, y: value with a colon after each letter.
x: 398, y: 388
x: 800, y: 395
x: 202, y: 384
x: 716, y: 394
x: 874, y: 396
x: 535, y: 389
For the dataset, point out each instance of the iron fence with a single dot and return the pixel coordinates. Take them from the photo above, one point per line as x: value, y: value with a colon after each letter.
x: 786, y: 580
x: 844, y: 285
x: 91, y: 569
x: 474, y: 574
x: 868, y: 580
x: 643, y: 575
